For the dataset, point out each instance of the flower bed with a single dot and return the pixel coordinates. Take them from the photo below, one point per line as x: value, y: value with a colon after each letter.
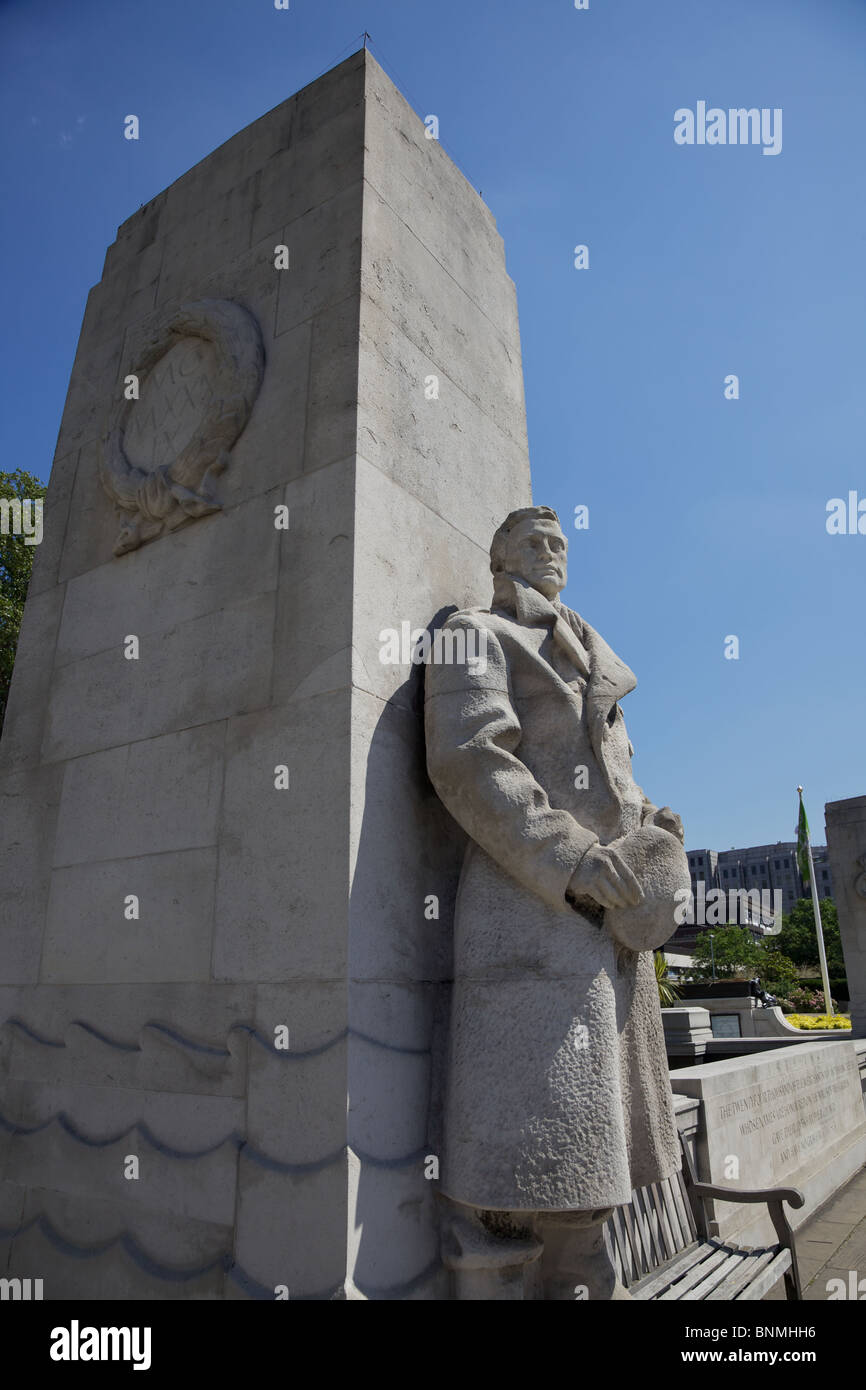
x: 818, y: 1020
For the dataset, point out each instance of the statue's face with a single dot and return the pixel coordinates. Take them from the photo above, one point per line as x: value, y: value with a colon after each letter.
x: 536, y: 550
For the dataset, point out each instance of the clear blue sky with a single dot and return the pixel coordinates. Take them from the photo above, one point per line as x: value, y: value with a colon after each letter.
x: 707, y: 516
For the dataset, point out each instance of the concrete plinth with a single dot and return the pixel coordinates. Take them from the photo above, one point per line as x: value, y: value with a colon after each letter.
x: 687, y: 1032
x: 789, y: 1118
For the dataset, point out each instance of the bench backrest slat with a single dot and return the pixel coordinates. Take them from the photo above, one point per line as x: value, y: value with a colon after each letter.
x: 644, y: 1199
x: 613, y: 1245
x: 642, y: 1232
x: 683, y: 1201
x: 657, y: 1224
x: 639, y: 1255
x: 661, y: 1198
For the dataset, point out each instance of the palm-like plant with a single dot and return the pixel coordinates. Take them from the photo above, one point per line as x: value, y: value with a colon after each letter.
x: 668, y: 992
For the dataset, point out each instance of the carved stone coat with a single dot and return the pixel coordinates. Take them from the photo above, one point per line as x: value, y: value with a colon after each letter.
x: 557, y: 1094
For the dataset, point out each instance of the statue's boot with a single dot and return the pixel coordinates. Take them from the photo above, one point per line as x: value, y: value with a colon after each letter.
x: 488, y: 1253
x: 575, y: 1263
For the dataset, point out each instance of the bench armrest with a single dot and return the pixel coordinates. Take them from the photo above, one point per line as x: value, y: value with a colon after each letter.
x: 774, y: 1198
x: 792, y: 1195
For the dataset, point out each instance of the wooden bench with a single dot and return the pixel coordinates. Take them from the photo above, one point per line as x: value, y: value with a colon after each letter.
x: 662, y: 1252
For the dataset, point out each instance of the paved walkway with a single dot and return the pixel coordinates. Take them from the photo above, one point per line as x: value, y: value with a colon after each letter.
x: 832, y: 1243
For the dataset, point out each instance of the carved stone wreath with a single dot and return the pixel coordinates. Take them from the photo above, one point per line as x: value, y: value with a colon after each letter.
x: 226, y: 338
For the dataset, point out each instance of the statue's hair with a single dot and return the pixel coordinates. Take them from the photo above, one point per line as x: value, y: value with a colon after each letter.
x: 497, y: 545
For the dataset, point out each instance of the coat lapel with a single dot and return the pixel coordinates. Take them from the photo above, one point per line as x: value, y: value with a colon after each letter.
x: 609, y: 680
x: 609, y: 677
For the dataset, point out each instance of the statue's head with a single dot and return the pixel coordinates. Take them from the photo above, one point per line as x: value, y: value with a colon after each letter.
x: 530, y: 544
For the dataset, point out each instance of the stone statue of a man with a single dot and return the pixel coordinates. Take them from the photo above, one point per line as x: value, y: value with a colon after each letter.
x: 557, y: 1101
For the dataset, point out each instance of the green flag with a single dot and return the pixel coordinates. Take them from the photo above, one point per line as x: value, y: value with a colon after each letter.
x: 802, y: 836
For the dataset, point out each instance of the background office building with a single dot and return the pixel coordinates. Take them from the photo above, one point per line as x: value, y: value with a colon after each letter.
x: 763, y: 867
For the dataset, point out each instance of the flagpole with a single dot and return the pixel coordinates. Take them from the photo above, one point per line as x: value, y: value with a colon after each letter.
x: 822, y: 954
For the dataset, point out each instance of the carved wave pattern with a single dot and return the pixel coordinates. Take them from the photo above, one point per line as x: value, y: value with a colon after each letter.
x: 224, y: 1262
x: 212, y: 1049
x: 126, y: 1242
x: 145, y: 1262
x: 161, y: 1146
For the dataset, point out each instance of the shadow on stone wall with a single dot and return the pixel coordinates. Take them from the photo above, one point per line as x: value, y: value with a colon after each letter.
x: 400, y: 969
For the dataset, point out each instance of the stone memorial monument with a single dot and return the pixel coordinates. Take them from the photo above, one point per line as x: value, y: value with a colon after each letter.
x: 294, y: 421
x: 558, y: 1100
x: 227, y: 883
x: 846, y: 841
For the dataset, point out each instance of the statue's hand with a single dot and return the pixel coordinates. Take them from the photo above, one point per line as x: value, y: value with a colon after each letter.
x: 666, y: 819
x: 604, y: 876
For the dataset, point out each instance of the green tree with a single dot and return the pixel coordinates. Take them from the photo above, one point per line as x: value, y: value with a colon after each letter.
x: 733, y: 950
x: 777, y: 972
x: 798, y: 939
x: 668, y: 992
x: 16, y: 562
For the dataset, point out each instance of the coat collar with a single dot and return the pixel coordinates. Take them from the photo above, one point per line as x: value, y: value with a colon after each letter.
x: 609, y: 677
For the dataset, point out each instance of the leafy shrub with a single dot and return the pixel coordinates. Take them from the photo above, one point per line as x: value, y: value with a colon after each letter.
x: 809, y: 1001
x: 838, y: 986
